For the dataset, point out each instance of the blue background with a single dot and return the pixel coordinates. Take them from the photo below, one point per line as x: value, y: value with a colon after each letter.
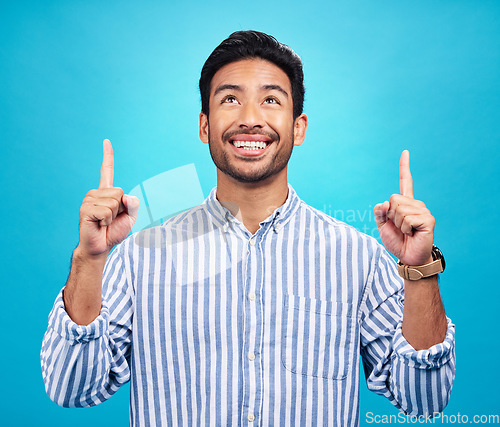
x: 381, y: 76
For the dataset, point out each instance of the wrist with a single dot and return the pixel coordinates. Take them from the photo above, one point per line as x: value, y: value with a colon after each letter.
x: 82, y: 256
x: 435, y: 265
x: 429, y: 260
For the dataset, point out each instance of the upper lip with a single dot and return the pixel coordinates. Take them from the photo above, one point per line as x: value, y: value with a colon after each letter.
x: 251, y: 137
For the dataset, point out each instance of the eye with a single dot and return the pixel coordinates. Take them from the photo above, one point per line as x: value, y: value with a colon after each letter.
x: 230, y: 99
x: 271, y: 100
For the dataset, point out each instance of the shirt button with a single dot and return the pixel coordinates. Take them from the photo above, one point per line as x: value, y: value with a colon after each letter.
x: 251, y: 356
x: 252, y: 241
x: 251, y: 296
x: 251, y: 417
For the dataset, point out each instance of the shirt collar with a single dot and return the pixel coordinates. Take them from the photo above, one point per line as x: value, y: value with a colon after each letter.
x: 222, y: 215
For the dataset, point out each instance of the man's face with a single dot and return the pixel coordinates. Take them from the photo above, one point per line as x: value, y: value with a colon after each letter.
x: 250, y: 130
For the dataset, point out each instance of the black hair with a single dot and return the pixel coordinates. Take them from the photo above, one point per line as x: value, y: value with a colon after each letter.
x: 254, y: 44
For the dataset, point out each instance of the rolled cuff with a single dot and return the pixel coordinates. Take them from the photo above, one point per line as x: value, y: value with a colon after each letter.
x: 61, y: 323
x: 434, y: 357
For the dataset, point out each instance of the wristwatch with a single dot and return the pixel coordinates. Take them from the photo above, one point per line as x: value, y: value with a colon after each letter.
x: 417, y: 272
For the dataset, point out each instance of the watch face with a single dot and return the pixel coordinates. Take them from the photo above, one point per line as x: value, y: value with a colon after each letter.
x: 437, y: 254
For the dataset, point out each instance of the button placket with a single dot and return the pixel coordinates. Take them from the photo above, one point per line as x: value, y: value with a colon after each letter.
x: 253, y: 318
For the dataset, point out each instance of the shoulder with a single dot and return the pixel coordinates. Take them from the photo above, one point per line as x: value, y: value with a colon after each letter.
x: 327, y: 221
x: 337, y: 229
x: 178, y: 228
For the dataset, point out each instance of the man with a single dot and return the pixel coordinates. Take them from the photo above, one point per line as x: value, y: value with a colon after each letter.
x: 252, y: 308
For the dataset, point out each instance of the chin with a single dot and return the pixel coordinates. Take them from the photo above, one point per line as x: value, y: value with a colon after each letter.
x: 253, y: 177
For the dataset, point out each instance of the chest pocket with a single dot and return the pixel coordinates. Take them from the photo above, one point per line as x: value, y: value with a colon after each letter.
x: 318, y: 337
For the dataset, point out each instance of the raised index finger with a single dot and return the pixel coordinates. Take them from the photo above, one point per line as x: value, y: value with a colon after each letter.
x: 107, y: 168
x: 405, y: 179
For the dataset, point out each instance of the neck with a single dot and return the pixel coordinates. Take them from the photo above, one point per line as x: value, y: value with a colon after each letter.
x: 251, y: 203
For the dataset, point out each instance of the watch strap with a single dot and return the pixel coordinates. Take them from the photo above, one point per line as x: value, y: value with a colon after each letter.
x: 412, y: 272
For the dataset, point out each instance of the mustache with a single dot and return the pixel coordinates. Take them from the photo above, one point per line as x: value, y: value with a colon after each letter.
x: 226, y: 136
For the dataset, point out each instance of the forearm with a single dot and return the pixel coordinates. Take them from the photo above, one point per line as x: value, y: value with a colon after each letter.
x: 83, y: 292
x: 85, y: 360
x: 417, y: 382
x: 411, y: 362
x: 84, y: 365
x: 424, y: 319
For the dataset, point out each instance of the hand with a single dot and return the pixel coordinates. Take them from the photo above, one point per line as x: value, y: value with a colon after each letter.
x: 106, y: 215
x: 405, y: 225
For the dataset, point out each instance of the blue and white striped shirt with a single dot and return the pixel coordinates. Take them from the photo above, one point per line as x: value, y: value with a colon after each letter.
x: 216, y: 326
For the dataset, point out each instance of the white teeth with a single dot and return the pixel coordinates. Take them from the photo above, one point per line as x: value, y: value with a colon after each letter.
x: 250, y: 145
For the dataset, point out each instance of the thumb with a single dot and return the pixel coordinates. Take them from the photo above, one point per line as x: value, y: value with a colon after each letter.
x: 380, y: 210
x: 132, y: 205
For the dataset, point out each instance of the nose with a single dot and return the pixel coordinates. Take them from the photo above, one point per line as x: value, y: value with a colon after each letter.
x: 250, y: 116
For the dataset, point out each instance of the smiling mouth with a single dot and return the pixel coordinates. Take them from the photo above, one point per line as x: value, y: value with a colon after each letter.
x: 249, y: 142
x: 250, y: 145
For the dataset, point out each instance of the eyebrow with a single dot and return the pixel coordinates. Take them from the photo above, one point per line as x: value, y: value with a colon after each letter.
x: 275, y: 87
x: 238, y: 88
x: 227, y: 87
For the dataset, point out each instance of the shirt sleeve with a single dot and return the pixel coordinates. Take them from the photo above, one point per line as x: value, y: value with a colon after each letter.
x: 417, y: 382
x: 85, y: 365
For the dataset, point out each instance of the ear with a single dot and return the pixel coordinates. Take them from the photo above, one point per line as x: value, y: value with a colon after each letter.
x: 299, y: 129
x: 203, y: 127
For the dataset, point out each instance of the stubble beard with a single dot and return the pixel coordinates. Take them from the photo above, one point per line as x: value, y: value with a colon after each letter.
x: 276, y: 165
